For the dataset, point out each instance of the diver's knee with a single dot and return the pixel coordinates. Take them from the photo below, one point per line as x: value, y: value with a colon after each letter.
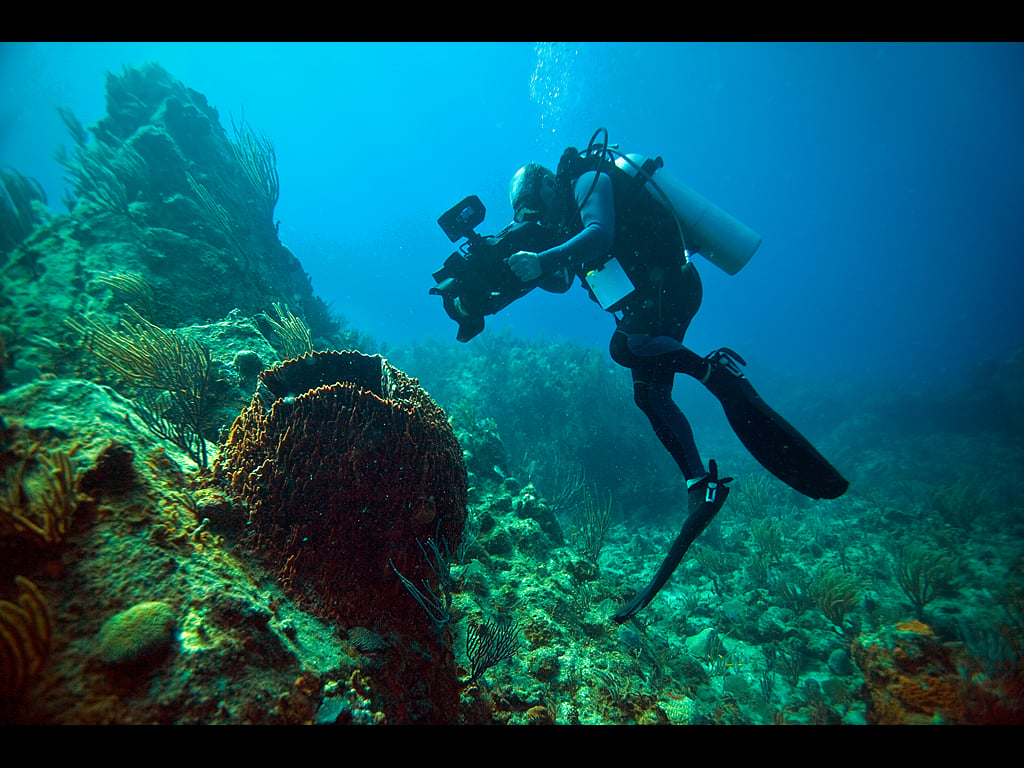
x: 660, y: 399
x: 655, y: 401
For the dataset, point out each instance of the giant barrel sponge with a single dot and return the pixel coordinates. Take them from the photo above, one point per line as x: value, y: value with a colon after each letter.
x: 344, y: 463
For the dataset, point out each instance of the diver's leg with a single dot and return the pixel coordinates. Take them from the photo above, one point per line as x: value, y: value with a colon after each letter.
x: 652, y: 392
x: 772, y: 440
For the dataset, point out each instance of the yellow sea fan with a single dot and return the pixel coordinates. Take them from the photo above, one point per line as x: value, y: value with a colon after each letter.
x: 24, y: 639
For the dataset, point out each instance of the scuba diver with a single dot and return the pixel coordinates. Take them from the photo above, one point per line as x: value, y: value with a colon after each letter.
x: 629, y: 242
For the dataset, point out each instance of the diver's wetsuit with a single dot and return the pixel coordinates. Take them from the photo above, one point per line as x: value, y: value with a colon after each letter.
x: 648, y: 340
x: 655, y: 317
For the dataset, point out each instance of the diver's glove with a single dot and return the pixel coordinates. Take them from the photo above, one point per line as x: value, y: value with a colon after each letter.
x: 526, y: 265
x: 704, y: 498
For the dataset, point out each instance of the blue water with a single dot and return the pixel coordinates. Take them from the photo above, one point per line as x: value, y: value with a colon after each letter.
x: 886, y: 179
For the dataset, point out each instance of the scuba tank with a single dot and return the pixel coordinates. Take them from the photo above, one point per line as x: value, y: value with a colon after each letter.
x: 719, y: 237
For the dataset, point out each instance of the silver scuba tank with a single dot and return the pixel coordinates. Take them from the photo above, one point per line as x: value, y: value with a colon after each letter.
x: 718, y: 236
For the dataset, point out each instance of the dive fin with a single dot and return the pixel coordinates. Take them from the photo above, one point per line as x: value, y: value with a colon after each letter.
x: 772, y: 440
x: 705, y: 498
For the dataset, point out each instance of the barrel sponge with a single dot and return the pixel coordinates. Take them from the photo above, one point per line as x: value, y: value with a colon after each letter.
x: 135, y: 633
x: 347, y: 467
x: 345, y: 464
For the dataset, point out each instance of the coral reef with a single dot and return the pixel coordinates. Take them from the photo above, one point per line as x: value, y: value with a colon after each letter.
x: 352, y: 559
x: 136, y: 536
x: 136, y: 224
x: 582, y: 386
x: 161, y: 161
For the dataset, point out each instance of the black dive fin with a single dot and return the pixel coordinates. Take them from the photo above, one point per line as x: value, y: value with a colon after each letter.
x: 713, y: 493
x: 772, y: 440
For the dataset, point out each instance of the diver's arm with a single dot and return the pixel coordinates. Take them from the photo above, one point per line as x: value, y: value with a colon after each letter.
x: 597, y: 212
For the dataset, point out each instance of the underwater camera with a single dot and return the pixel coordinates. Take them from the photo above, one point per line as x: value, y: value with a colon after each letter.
x: 475, y: 281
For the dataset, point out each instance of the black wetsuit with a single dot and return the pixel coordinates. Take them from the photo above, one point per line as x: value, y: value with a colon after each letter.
x: 609, y: 213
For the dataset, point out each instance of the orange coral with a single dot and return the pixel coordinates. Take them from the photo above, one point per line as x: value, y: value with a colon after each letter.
x: 911, y: 676
x: 914, y: 626
x: 932, y: 695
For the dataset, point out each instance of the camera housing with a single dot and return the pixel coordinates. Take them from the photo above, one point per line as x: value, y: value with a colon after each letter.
x: 459, y: 220
x: 476, y: 281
